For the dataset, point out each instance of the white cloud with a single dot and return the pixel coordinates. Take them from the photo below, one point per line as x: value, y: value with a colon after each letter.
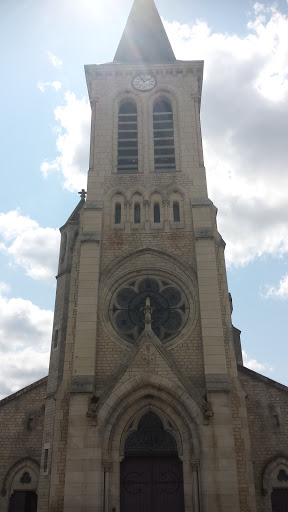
x: 4, y: 287
x: 44, y: 85
x: 72, y: 142
x: 245, y: 122
x: 25, y: 333
x: 253, y: 364
x: 30, y: 246
x: 55, y: 61
x: 280, y: 292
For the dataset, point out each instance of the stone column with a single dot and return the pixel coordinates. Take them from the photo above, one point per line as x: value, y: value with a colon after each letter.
x: 196, y: 487
x: 107, y: 469
x: 147, y: 220
x: 165, y: 203
x: 127, y: 205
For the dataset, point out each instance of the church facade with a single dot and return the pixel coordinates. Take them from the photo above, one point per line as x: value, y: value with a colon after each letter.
x: 147, y: 405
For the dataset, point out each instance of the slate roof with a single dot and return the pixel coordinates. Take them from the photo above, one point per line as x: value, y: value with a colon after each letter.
x: 144, y: 39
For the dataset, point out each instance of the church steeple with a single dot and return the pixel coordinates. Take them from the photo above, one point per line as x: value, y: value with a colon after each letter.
x: 144, y: 38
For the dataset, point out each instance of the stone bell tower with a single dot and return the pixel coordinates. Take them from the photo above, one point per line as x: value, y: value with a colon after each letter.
x: 144, y: 410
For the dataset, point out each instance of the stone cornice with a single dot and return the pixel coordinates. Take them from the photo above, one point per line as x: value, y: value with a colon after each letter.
x: 93, y: 205
x: 91, y: 237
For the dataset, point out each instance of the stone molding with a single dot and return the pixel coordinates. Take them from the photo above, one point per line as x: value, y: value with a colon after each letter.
x: 151, y: 338
x: 217, y: 382
x: 203, y: 233
x: 61, y: 274
x: 94, y: 71
x: 82, y: 384
x: 194, y: 464
x: 270, y: 474
x: 92, y: 236
x: 107, y: 465
x: 25, y: 462
x: 93, y: 205
x: 202, y: 201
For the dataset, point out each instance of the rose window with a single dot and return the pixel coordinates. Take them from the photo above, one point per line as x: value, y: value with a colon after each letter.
x: 169, y: 306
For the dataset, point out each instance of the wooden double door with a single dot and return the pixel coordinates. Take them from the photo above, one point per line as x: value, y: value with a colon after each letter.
x: 279, y: 499
x: 151, y: 484
x: 23, y: 501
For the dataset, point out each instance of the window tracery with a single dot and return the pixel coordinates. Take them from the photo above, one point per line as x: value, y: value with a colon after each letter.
x: 150, y: 437
x: 169, y: 305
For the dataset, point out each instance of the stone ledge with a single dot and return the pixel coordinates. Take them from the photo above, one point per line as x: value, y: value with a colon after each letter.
x: 217, y: 382
x: 93, y: 236
x: 93, y: 205
x: 203, y: 233
x: 82, y: 384
x: 202, y: 201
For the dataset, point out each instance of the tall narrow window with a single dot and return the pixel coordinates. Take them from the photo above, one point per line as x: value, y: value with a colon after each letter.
x: 30, y: 423
x: 176, y: 211
x: 156, y: 213
x: 117, y: 213
x: 127, y: 138
x: 45, y: 463
x: 164, y: 150
x: 137, y: 213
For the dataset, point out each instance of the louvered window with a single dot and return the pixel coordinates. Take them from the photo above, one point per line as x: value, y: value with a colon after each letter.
x: 127, y: 138
x: 164, y: 150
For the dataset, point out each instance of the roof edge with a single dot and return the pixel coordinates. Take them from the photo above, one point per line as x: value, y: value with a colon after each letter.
x: 23, y: 390
x: 263, y: 378
x: 75, y: 211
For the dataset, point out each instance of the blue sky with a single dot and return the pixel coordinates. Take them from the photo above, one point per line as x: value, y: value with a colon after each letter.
x: 44, y: 129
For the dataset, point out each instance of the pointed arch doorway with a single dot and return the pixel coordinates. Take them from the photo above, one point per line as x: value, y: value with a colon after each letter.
x: 151, y: 475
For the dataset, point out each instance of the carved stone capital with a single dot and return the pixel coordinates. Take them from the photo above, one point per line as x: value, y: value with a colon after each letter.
x: 146, y: 203
x: 194, y: 464
x: 107, y: 466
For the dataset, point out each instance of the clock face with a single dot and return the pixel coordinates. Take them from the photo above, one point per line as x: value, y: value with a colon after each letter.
x: 144, y: 82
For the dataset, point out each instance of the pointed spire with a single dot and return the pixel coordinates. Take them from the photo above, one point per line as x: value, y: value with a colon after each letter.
x: 144, y: 38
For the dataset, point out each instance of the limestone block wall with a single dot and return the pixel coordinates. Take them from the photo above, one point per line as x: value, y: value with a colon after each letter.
x: 267, y: 407
x: 21, y: 430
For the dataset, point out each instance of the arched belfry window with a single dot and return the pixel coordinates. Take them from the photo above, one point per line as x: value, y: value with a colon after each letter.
x: 127, y: 138
x: 164, y: 150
